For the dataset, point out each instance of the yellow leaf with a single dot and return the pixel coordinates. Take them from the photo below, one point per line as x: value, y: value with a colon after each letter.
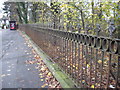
x: 41, y: 76
x: 68, y: 66
x: 44, y: 85
x: 92, y: 86
x: 73, y: 65
x: 99, y: 61
x: 88, y: 65
x: 41, y: 80
x: 49, y: 74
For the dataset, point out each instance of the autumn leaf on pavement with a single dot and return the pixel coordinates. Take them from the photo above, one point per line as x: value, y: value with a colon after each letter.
x: 30, y: 61
x: 36, y: 57
x: 44, y: 85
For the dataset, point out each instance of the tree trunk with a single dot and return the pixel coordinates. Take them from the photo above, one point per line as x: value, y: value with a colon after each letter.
x: 82, y: 17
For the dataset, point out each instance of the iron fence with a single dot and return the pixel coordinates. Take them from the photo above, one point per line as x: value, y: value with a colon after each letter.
x: 91, y: 61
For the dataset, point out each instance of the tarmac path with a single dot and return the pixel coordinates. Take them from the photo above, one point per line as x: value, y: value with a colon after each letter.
x: 15, y: 72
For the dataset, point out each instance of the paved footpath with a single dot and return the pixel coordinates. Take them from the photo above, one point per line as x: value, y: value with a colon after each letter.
x: 15, y: 72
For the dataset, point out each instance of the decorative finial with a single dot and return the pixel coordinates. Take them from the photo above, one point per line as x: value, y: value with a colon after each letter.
x: 97, y: 29
x: 79, y: 27
x: 111, y: 28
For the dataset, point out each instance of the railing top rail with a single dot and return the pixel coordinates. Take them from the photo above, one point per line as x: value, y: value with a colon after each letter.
x: 107, y: 44
x: 45, y: 28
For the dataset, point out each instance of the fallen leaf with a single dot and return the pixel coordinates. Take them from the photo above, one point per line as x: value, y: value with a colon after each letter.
x: 49, y: 74
x: 36, y: 56
x: 73, y: 65
x: 92, y: 86
x: 41, y: 80
x: 99, y: 61
x: 41, y: 76
x: 111, y: 86
x: 44, y: 85
x: 88, y: 65
x: 76, y: 68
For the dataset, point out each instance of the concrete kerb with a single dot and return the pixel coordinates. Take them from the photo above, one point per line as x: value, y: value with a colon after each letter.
x: 61, y: 77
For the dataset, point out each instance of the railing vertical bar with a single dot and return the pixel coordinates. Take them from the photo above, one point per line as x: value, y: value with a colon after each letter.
x: 86, y: 58
x: 60, y: 59
x: 66, y: 55
x: 91, y: 49
x: 82, y: 67
x: 78, y: 75
x: 62, y: 53
x: 96, y: 59
x: 58, y: 50
x: 101, y: 69
x: 118, y: 74
x: 69, y: 57
x: 75, y: 59
x: 109, y: 69
x: 72, y: 58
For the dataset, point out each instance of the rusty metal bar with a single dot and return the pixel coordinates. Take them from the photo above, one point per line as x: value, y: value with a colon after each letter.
x: 91, y: 61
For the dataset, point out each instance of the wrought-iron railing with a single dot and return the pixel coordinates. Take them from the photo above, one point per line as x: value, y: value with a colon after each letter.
x: 91, y: 61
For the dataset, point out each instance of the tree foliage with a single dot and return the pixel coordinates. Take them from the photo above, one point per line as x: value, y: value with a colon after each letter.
x: 81, y: 16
